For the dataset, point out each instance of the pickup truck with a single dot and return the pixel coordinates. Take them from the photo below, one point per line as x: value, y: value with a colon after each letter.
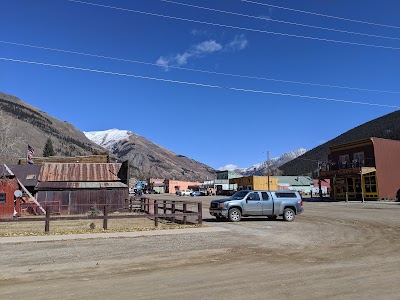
x: 246, y: 203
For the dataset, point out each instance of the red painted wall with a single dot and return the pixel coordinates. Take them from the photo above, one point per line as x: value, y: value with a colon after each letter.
x: 8, y: 186
x: 387, y: 158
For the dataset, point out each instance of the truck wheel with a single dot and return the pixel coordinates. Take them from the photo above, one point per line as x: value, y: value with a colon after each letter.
x: 234, y: 215
x: 288, y: 215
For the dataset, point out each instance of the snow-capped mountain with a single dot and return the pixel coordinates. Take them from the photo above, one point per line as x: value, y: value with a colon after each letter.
x: 147, y: 159
x: 109, y: 138
x: 260, y: 168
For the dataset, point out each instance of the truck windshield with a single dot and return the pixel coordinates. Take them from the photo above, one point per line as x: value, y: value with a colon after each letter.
x: 239, y: 195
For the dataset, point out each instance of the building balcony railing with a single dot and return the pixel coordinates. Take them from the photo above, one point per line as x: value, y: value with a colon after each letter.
x: 355, y: 164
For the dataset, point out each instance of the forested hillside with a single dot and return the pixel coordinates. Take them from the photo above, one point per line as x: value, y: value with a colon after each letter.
x: 387, y: 127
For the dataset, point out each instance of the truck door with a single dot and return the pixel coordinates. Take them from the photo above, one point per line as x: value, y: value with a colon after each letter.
x: 253, y: 205
x: 267, y: 204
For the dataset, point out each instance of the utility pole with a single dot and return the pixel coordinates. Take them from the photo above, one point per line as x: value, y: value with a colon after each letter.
x: 268, y: 169
x: 319, y: 181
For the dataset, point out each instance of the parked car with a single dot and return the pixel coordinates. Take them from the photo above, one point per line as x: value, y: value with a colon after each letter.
x: 184, y: 193
x: 149, y: 191
x: 246, y: 203
x: 197, y: 193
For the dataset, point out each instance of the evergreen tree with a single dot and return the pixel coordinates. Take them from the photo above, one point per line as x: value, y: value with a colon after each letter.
x: 48, y: 149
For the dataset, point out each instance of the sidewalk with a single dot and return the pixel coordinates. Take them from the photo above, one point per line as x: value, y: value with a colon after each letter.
x: 133, y: 234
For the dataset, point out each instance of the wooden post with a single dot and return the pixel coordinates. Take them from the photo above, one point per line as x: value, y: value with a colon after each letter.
x: 155, y: 213
x: 200, y: 213
x: 184, y: 211
x: 173, y: 209
x: 142, y: 207
x: 47, y: 221
x: 105, y: 217
x: 165, y: 206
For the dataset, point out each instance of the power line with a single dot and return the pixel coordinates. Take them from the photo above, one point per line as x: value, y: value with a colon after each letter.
x: 280, y: 21
x: 236, y: 27
x: 199, y: 70
x: 322, y: 15
x: 201, y: 84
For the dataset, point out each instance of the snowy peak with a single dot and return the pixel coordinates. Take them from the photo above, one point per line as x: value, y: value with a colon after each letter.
x: 260, y: 167
x: 277, y: 161
x: 108, y: 138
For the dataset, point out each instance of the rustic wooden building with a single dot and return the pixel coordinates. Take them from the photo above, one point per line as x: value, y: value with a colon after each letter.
x: 78, y: 187
x: 364, y: 169
x: 64, y: 159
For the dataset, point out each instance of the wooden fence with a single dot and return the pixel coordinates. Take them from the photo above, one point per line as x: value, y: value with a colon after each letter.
x: 183, y: 212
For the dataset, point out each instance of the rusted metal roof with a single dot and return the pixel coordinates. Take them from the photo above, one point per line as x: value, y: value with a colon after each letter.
x: 81, y: 172
x: 79, y: 185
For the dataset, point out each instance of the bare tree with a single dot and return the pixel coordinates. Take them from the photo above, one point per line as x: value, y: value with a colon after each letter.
x: 11, y: 142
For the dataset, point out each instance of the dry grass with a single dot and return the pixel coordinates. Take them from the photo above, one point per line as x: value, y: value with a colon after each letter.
x: 26, y: 228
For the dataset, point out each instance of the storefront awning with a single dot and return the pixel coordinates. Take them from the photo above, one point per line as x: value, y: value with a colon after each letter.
x: 367, y: 170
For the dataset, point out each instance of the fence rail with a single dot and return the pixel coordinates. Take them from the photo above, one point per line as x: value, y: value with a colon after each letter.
x: 183, y: 212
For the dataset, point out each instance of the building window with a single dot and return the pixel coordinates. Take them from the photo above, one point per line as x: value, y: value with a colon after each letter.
x: 358, y: 159
x: 370, y: 183
x: 343, y: 161
x: 2, y: 197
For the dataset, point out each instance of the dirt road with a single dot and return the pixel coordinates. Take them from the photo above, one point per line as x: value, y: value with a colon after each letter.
x: 332, y: 251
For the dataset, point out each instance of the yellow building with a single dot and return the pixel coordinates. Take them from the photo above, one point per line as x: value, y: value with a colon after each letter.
x: 255, y: 183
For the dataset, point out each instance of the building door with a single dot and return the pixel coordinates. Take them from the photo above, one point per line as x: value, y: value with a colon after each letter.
x: 358, y: 188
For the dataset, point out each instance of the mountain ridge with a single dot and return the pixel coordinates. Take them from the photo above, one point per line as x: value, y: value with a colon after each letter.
x: 148, y: 159
x: 387, y: 126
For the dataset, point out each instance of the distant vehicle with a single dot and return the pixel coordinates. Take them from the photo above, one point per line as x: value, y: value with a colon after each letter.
x: 151, y: 191
x: 246, y: 203
x: 184, y: 193
x: 197, y: 193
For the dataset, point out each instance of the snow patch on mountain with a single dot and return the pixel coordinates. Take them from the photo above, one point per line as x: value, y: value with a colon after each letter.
x: 274, y: 163
x: 108, y: 138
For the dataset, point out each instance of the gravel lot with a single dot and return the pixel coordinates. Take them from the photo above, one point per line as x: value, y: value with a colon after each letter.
x: 332, y: 251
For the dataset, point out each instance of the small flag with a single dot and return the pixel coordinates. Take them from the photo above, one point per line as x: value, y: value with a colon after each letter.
x: 31, y: 151
x: 29, y: 155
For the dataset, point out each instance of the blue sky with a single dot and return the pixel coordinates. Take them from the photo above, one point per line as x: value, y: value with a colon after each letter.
x: 216, y: 126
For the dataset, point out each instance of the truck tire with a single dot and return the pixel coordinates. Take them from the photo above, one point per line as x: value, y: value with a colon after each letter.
x: 234, y: 215
x: 288, y: 214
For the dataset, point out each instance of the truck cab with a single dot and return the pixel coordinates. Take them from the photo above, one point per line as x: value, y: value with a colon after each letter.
x: 271, y: 204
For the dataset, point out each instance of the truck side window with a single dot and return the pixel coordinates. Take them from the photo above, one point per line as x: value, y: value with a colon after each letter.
x: 264, y: 196
x: 253, y: 196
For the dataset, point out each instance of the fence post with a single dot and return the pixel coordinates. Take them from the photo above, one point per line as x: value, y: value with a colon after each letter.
x: 105, y: 217
x: 347, y: 197
x: 184, y: 211
x: 165, y: 206
x: 200, y: 212
x: 155, y: 211
x: 47, y: 220
x: 130, y: 204
x: 142, y: 206
x: 173, y: 208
